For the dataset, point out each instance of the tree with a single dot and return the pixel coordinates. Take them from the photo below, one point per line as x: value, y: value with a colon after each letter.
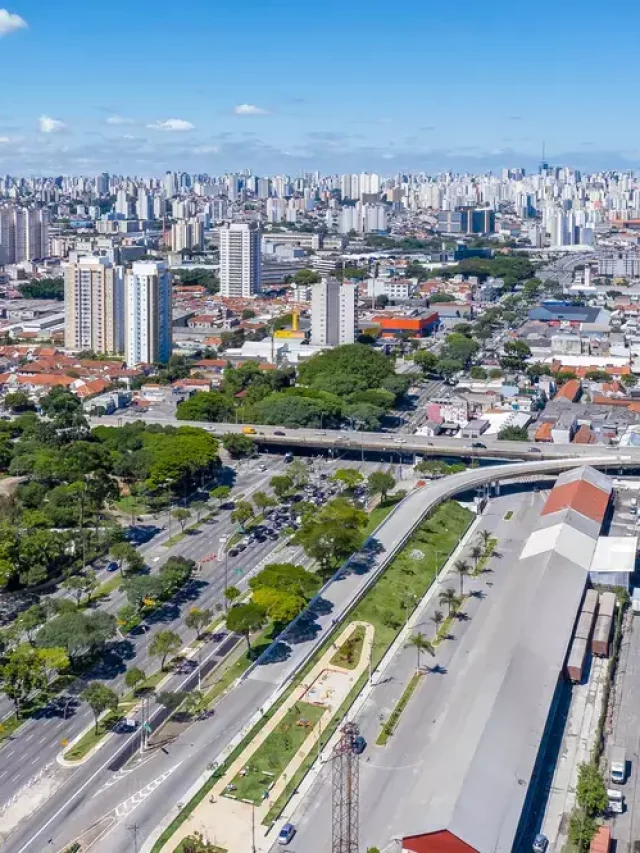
x: 306, y: 277
x: 477, y: 373
x: 124, y: 552
x: 133, y: 677
x: 280, y: 606
x: 345, y: 369
x: 263, y: 501
x: 199, y: 507
x: 349, y: 477
x: 164, y: 644
x: 333, y: 534
x: 100, y: 698
x: 475, y: 553
x: 299, y: 473
x: 437, y: 619
x: 426, y: 361
x: 242, y: 513
x: 211, y: 406
x: 197, y: 619
x: 380, y: 482
x: 181, y: 515
x: 238, y: 445
x: 421, y: 644
x: 76, y: 586
x: 591, y: 791
x: 245, y: 619
x: 18, y: 402
x: 513, y: 433
x: 220, y: 494
x: 174, y: 575
x: 287, y: 577
x: 54, y: 661
x: 21, y: 675
x: 629, y: 380
x: 516, y: 354
x: 485, y: 538
x: 77, y: 632
x: 171, y: 699
x: 232, y: 593
x: 449, y: 597
x: 32, y: 619
x: 582, y: 828
x: 142, y: 590
x: 448, y: 367
x: 462, y: 568
x: 281, y: 484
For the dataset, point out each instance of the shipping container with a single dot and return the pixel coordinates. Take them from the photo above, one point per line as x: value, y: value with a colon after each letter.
x: 576, y: 660
x: 607, y: 604
x: 602, y: 636
x: 590, y: 603
x: 584, y: 626
x: 601, y: 841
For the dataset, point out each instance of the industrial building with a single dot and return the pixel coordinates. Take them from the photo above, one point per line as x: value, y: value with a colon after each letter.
x: 474, y: 790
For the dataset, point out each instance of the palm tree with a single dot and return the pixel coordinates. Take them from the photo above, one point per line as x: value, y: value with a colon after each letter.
x: 449, y: 598
x: 475, y: 553
x: 437, y: 620
x: 421, y: 644
x: 462, y: 568
x: 485, y: 538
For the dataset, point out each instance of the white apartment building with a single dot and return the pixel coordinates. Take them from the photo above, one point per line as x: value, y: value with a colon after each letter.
x: 187, y: 234
x: 240, y: 253
x: 24, y: 234
x: 148, y: 313
x: 333, y: 313
x: 94, y: 305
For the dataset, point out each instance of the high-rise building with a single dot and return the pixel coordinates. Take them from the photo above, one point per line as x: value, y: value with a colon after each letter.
x: 239, y: 260
x: 148, y: 313
x: 144, y: 205
x: 334, y: 316
x: 94, y: 305
x: 187, y: 234
x: 24, y: 234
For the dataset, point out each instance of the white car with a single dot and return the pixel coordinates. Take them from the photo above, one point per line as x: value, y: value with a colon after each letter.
x: 399, y: 440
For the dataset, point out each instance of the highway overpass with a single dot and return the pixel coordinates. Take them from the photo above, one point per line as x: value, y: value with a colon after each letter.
x: 402, y: 446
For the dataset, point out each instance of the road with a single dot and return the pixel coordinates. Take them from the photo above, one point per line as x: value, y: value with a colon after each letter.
x: 314, y: 440
x: 38, y: 741
x: 393, y: 778
x: 74, y: 806
x: 563, y: 269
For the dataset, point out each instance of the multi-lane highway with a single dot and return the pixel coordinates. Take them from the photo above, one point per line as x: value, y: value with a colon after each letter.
x: 396, y: 446
x: 75, y: 806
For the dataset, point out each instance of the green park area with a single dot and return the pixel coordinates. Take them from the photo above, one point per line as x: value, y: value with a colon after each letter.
x: 348, y: 655
x: 270, y: 759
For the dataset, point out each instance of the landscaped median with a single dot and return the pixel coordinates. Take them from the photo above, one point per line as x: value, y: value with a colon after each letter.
x: 383, y: 610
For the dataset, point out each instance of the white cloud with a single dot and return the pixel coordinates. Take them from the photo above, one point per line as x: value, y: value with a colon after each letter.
x: 207, y: 149
x: 119, y: 120
x: 172, y: 124
x: 249, y: 110
x: 51, y: 125
x: 4, y: 140
x: 10, y: 22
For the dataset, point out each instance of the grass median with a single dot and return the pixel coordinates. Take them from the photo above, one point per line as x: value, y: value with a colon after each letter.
x: 386, y: 606
x: 389, y: 726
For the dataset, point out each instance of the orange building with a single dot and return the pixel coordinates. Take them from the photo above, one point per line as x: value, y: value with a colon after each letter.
x: 419, y: 327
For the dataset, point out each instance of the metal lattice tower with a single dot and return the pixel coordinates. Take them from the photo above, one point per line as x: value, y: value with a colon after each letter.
x: 346, y: 792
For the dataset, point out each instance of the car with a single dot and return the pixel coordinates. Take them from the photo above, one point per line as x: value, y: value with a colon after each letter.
x: 359, y: 745
x: 399, y: 440
x: 478, y: 445
x: 233, y: 552
x: 279, y: 432
x: 540, y: 843
x: 112, y: 567
x: 262, y: 467
x: 286, y: 833
x: 535, y: 450
x: 273, y: 535
x: 240, y: 547
x: 228, y: 505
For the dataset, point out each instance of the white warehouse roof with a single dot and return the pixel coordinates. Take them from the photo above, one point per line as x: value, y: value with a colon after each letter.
x: 615, y: 554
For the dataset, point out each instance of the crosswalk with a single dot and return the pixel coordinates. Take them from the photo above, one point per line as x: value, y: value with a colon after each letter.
x: 140, y: 796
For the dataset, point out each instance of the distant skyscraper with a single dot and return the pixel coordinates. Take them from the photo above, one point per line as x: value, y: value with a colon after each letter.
x: 144, y: 205
x: 148, y: 313
x: 239, y: 260
x: 94, y: 306
x: 333, y: 313
x: 122, y: 204
x: 24, y: 234
x: 186, y: 234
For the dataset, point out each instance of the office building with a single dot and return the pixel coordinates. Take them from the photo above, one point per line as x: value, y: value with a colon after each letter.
x: 467, y: 221
x: 333, y: 313
x: 94, y: 305
x: 148, y: 313
x: 239, y: 261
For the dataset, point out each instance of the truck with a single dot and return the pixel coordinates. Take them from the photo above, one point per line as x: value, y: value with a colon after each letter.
x: 615, y: 801
x: 601, y: 842
x: 618, y: 765
x: 247, y: 430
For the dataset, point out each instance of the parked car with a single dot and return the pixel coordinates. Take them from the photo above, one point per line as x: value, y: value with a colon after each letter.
x: 286, y: 833
x: 279, y: 432
x: 359, y: 745
x: 112, y: 567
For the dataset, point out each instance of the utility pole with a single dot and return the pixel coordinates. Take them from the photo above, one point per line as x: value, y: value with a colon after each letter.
x: 253, y: 828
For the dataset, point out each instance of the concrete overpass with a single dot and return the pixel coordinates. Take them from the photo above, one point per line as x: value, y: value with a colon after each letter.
x: 314, y: 440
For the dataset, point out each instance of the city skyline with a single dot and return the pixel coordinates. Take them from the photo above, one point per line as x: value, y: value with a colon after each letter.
x: 280, y: 88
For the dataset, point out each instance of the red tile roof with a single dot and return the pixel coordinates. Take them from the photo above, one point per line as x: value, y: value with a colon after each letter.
x: 581, y: 496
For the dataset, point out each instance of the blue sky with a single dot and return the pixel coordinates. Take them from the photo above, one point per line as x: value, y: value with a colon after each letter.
x: 137, y: 86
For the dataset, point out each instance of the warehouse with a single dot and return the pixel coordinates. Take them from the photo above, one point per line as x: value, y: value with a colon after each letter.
x: 614, y: 561
x: 476, y: 788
